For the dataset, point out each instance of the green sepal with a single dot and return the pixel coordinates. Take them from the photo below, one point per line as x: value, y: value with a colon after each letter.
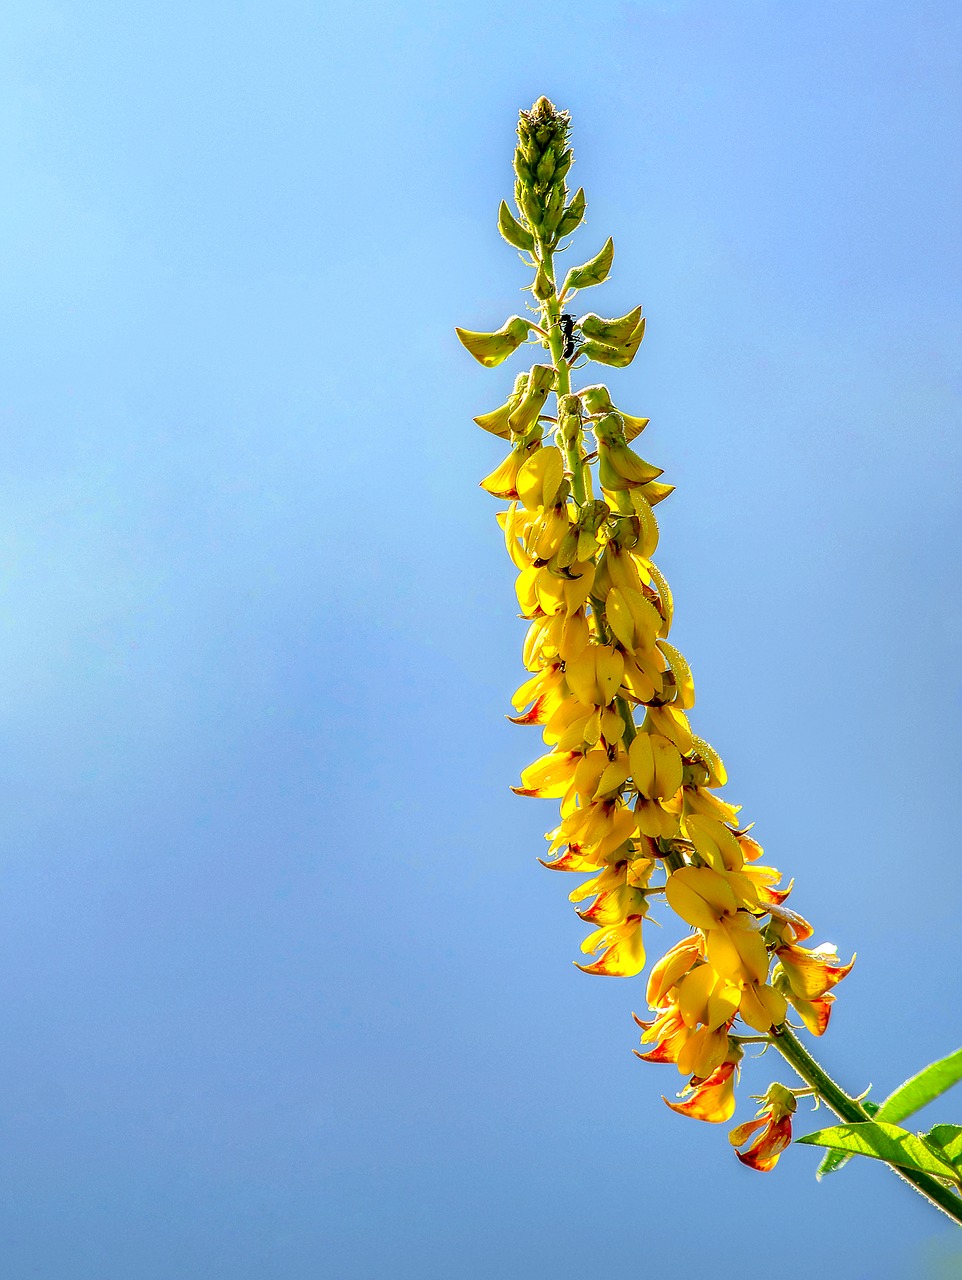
x: 573, y: 216
x: 919, y: 1090
x: 611, y: 332
x: 884, y: 1142
x: 595, y: 271
x: 491, y: 348
x: 512, y: 230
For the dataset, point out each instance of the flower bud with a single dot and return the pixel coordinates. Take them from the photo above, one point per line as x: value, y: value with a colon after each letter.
x: 512, y: 230
x: 594, y: 271
x: 573, y: 215
x: 540, y: 382
x: 612, y: 332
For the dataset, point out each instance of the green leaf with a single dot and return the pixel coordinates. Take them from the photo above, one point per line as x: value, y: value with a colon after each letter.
x: 919, y: 1090
x: 948, y: 1139
x: 883, y: 1142
x: 833, y: 1160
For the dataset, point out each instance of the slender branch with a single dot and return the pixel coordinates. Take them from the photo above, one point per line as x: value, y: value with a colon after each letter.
x: 849, y: 1109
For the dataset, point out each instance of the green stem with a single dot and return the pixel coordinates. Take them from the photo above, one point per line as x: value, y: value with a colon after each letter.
x: 574, y: 449
x: 850, y: 1110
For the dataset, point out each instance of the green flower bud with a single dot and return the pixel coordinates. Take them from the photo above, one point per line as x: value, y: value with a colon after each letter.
x: 596, y: 399
x: 619, y: 356
x: 491, y: 348
x: 573, y: 215
x: 523, y: 169
x: 525, y: 416
x: 512, y: 230
x: 542, y: 287
x: 595, y: 271
x: 546, y: 168
x: 531, y: 207
x: 611, y: 332
x: 563, y: 165
x: 554, y: 207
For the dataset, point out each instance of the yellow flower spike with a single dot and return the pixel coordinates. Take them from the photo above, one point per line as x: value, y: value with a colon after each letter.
x: 738, y: 954
x: 656, y: 766
x: 702, y: 897
x: 539, y: 479
x: 638, y: 801
x: 714, y: 842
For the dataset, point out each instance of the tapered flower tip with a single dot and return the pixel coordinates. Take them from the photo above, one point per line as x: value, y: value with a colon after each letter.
x: 713, y: 1099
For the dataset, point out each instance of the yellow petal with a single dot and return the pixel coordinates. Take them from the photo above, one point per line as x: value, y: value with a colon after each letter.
x: 702, y: 897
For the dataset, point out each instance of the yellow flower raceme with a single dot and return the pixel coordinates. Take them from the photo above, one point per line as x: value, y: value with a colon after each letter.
x: 640, y: 813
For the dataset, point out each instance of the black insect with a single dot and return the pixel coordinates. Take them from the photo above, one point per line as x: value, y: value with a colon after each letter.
x: 567, y: 324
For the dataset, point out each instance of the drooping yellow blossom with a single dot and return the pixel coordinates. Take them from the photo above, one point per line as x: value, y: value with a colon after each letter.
x: 774, y: 1121
x: 640, y: 813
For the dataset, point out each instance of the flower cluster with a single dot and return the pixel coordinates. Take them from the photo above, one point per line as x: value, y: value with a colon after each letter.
x: 640, y: 811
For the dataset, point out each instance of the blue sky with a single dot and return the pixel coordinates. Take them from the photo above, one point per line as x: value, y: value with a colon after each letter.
x: 286, y: 993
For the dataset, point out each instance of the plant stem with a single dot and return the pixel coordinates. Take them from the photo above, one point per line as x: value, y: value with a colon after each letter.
x: 848, y: 1109
x: 574, y: 449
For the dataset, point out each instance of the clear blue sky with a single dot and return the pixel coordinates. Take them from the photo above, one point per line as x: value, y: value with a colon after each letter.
x: 285, y: 993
